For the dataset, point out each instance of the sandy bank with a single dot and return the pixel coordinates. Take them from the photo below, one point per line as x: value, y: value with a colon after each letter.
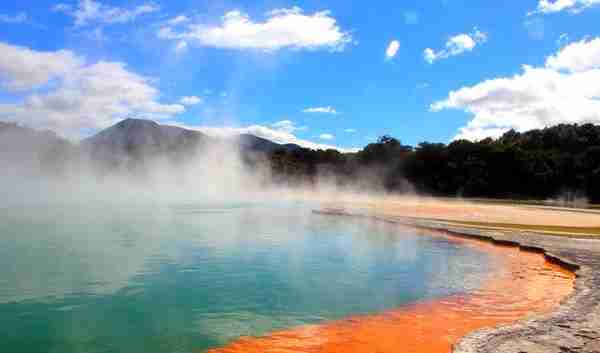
x: 492, y: 215
x: 462, y: 210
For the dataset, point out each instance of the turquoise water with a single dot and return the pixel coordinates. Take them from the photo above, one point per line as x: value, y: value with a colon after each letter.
x: 187, y: 277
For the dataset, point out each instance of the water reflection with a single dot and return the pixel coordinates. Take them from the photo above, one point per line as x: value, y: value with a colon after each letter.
x: 187, y: 277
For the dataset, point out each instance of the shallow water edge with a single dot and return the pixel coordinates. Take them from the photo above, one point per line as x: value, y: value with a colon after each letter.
x: 423, y: 326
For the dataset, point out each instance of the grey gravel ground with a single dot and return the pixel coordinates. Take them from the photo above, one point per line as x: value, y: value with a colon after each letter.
x: 573, y: 328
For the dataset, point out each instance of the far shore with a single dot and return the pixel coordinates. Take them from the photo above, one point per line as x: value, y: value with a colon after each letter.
x: 480, y: 214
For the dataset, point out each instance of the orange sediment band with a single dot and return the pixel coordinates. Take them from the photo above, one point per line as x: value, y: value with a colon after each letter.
x: 523, y: 283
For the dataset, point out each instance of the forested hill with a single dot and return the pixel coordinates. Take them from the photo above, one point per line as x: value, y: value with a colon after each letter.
x: 557, y: 162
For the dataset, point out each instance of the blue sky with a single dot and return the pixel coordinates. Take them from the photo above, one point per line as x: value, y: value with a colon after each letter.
x: 318, y: 73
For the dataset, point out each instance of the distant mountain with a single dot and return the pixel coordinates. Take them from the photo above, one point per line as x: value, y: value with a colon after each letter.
x: 129, y: 144
x: 28, y: 151
x: 136, y: 140
x: 13, y: 133
x: 259, y: 144
x: 139, y: 133
x: 139, y: 140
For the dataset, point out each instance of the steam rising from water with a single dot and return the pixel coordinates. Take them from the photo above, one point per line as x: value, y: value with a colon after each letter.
x: 218, y: 170
x: 216, y: 173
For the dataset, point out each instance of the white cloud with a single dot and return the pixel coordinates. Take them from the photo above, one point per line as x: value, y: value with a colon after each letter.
x: 456, y: 45
x: 25, y: 69
x: 21, y: 17
x: 392, y: 49
x: 573, y: 6
x: 76, y: 95
x: 321, y: 110
x: 287, y: 126
x: 565, y: 90
x: 577, y: 57
x: 326, y: 137
x: 282, y: 28
x: 350, y: 131
x: 90, y: 11
x: 178, y: 20
x: 191, y: 100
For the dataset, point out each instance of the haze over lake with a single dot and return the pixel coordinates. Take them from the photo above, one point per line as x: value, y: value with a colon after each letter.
x: 185, y: 277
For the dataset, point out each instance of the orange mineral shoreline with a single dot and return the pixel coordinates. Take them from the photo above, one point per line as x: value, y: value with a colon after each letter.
x: 522, y: 284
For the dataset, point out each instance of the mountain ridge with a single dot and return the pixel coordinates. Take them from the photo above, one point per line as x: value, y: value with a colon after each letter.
x: 148, y: 132
x: 127, y: 144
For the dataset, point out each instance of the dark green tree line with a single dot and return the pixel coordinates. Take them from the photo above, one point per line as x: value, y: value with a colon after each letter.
x: 561, y: 161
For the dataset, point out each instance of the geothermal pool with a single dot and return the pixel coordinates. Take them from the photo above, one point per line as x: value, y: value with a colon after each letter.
x: 193, y: 277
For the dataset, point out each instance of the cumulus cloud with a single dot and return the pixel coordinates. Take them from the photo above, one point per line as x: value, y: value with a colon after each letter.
x: 573, y: 6
x: 564, y: 90
x: 21, y: 17
x: 190, y: 100
x: 392, y: 49
x: 577, y: 57
x: 456, y: 45
x: 282, y: 28
x: 321, y: 110
x: 61, y: 91
x: 90, y: 12
x: 25, y: 69
x: 326, y: 137
x: 350, y: 131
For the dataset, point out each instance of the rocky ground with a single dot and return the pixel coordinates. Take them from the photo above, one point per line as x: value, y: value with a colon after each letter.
x: 573, y: 328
